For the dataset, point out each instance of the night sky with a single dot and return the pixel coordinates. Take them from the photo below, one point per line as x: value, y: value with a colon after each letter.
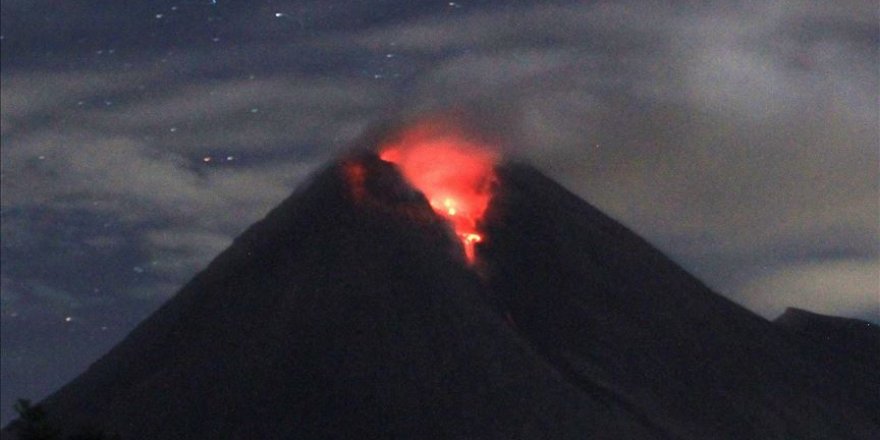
x: 140, y: 137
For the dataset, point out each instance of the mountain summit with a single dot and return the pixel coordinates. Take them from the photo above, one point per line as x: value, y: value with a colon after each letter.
x: 357, y: 309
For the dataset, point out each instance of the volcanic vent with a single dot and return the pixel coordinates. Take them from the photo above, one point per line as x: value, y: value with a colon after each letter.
x: 454, y: 173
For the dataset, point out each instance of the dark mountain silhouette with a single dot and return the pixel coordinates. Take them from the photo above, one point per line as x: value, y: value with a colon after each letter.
x: 350, y: 311
x: 615, y: 315
x: 834, y: 339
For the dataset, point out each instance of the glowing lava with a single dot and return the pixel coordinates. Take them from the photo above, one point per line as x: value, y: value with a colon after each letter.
x: 454, y: 174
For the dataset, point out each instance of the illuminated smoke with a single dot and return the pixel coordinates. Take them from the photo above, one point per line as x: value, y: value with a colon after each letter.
x: 455, y: 175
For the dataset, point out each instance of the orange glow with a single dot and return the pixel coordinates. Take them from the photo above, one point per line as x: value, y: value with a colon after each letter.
x: 356, y: 175
x: 453, y: 173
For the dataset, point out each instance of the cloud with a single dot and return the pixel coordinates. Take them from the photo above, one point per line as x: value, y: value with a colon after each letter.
x: 39, y: 298
x: 62, y: 160
x: 258, y: 114
x: 129, y: 181
x: 9, y: 295
x: 49, y: 95
x: 842, y: 288
x: 179, y: 253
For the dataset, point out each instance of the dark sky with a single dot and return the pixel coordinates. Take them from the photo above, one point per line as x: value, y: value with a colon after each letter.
x: 140, y: 137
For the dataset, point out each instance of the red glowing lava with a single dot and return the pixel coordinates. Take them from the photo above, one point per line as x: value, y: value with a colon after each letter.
x: 356, y: 176
x: 453, y: 173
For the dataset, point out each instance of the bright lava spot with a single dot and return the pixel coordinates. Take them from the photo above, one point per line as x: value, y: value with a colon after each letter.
x: 455, y: 175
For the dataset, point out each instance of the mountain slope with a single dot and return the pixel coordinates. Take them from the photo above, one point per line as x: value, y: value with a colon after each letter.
x: 347, y: 313
x: 351, y: 311
x: 844, y: 339
x: 612, y: 312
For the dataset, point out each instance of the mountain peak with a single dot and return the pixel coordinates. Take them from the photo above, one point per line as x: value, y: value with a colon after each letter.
x: 355, y: 310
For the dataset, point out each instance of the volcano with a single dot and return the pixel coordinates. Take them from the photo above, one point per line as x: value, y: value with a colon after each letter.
x: 356, y: 310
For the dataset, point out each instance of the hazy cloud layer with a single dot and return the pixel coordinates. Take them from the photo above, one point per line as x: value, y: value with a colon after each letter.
x: 840, y: 287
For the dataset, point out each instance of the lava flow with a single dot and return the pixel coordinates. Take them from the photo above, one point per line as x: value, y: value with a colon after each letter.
x: 454, y: 174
